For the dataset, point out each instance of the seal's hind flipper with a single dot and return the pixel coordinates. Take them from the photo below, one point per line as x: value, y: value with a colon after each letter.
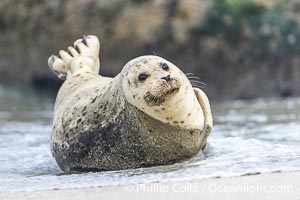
x: 82, y: 57
x: 57, y: 66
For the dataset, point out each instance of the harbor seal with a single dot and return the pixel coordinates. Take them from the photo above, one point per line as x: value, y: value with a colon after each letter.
x: 148, y: 115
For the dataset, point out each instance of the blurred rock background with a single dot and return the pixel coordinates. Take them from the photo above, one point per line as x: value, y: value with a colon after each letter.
x: 242, y: 49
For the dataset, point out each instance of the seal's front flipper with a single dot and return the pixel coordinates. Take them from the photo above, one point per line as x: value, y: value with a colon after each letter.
x: 83, y: 57
x: 205, y: 105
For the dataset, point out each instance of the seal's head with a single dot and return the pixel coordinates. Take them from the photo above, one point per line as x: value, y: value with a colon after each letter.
x: 161, y: 90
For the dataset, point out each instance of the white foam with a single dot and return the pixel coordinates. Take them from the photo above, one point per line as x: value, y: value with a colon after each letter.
x: 247, y: 138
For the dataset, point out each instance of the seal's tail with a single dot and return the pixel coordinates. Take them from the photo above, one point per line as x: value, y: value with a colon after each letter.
x: 82, y: 57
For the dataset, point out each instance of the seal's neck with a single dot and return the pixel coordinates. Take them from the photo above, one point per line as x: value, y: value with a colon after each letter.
x: 112, y: 102
x: 182, y: 110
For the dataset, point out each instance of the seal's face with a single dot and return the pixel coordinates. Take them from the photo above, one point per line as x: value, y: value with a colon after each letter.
x: 151, y: 81
x: 158, y: 83
x: 158, y: 88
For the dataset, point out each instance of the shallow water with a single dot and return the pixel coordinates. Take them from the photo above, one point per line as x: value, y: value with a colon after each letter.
x: 248, y: 137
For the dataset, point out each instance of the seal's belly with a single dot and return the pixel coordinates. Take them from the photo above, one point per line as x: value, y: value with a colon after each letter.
x: 133, y: 140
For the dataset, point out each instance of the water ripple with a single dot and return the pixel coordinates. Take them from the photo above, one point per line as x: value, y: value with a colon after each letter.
x: 248, y: 137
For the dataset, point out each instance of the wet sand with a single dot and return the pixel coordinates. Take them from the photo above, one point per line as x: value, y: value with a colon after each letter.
x: 262, y: 186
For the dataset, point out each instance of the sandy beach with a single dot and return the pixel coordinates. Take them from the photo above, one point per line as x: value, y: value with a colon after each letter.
x: 263, y: 186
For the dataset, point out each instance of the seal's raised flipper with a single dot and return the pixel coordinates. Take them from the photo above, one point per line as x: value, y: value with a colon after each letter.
x: 83, y: 57
x: 205, y: 105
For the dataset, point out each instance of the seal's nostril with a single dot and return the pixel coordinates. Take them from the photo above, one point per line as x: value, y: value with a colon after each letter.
x: 167, y: 78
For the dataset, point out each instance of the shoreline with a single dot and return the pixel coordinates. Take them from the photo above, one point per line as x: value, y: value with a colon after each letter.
x: 261, y: 186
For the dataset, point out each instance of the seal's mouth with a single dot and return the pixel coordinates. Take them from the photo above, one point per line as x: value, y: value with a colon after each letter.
x: 162, y: 91
x: 173, y: 90
x: 155, y: 100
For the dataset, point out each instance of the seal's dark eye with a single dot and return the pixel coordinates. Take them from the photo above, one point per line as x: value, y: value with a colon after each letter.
x: 164, y: 66
x: 143, y: 77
